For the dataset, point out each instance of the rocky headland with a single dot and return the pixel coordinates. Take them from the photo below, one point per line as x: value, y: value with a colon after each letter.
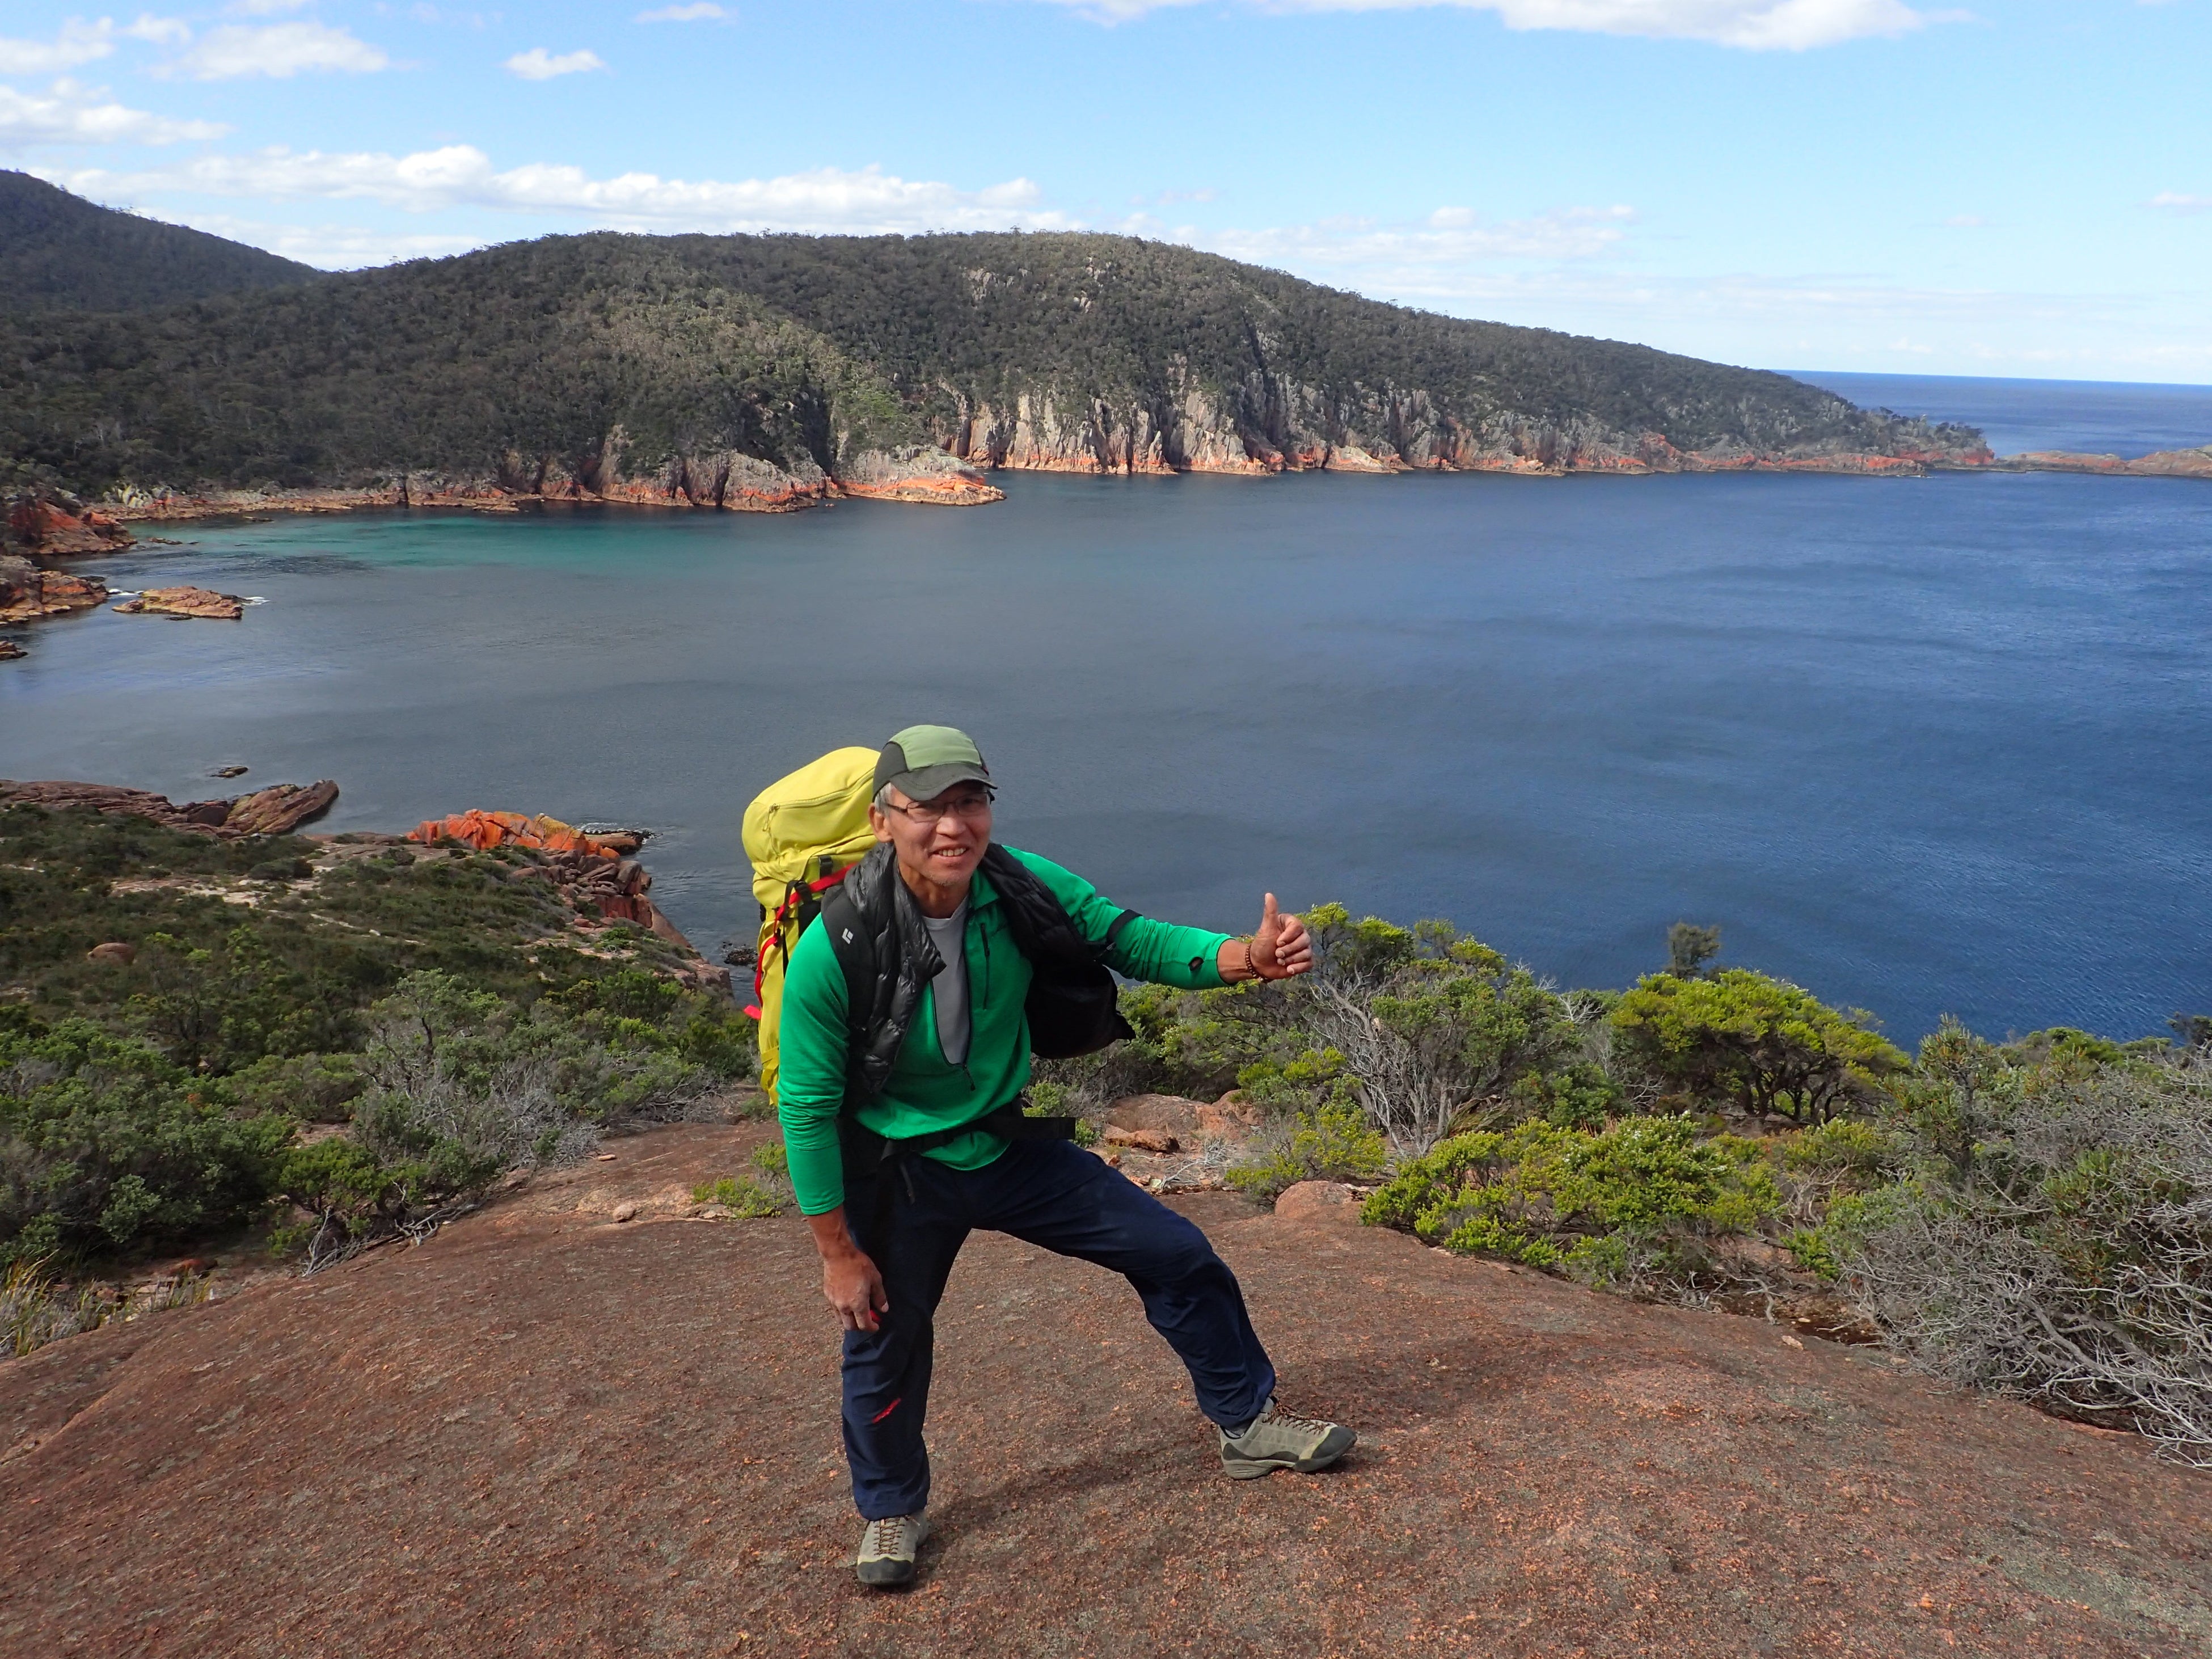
x: 2161, y: 463
x: 278, y: 810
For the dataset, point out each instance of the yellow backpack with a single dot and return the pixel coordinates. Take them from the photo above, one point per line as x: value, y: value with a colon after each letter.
x: 802, y: 833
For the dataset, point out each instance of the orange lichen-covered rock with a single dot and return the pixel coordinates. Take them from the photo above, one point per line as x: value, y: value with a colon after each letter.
x: 916, y: 472
x: 55, y: 530
x: 485, y: 830
x: 184, y: 602
x: 27, y: 593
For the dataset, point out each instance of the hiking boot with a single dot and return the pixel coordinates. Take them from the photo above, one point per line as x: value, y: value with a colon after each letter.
x: 888, y: 1549
x: 1276, y: 1440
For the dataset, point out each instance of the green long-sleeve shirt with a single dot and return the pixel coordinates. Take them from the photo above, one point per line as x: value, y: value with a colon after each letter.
x: 925, y: 1092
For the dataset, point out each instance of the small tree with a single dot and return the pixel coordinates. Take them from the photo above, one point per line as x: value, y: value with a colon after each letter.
x: 1763, y: 1044
x: 1689, y: 947
x: 1427, y: 1020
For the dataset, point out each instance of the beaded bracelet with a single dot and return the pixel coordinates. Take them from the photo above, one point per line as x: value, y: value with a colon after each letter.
x: 1251, y: 962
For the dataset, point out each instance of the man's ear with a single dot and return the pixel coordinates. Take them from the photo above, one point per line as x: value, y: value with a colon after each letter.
x: 879, y: 821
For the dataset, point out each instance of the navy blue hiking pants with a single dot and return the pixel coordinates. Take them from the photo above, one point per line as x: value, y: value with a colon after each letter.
x: 1055, y: 1195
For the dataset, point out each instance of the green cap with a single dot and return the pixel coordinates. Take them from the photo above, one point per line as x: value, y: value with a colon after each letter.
x: 923, y: 761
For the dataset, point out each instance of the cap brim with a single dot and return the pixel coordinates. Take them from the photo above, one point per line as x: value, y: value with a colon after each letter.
x: 928, y: 782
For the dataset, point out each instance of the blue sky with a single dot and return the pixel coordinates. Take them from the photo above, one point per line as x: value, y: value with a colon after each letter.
x: 2019, y: 188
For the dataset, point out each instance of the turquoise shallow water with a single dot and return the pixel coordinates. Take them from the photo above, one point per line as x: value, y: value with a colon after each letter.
x: 1922, y: 746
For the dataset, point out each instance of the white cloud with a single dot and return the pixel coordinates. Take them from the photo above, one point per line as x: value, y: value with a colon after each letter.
x: 1754, y: 25
x: 76, y: 43
x: 157, y: 31
x: 264, y: 7
x: 539, y: 64
x: 2175, y: 202
x: 79, y: 42
x: 333, y: 247
x: 279, y: 50
x: 826, y: 200
x: 1376, y: 257
x: 698, y: 12
x: 71, y: 114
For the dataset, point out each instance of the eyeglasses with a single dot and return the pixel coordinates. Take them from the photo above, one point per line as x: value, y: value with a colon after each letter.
x: 971, y: 809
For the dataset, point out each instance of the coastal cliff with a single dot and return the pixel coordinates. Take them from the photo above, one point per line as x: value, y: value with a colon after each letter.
x: 1276, y: 425
x: 1079, y: 353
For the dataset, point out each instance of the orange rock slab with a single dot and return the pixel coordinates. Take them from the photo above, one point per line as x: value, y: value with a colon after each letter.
x: 184, y: 602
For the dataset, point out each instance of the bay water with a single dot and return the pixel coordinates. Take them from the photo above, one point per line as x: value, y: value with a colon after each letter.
x: 1924, y: 746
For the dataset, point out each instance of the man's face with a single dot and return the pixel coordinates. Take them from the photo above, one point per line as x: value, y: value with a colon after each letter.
x: 940, y: 840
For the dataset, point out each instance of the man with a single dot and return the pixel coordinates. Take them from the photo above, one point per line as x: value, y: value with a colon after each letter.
x: 889, y: 1222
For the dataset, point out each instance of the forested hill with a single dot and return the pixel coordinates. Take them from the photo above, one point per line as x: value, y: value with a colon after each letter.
x: 61, y: 252
x: 767, y: 370
x: 1114, y: 341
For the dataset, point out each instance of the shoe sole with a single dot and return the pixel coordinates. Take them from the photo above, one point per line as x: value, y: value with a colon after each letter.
x: 1251, y: 1469
x: 885, y: 1575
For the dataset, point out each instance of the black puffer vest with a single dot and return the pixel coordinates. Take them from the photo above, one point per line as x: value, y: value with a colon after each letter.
x: 876, y: 928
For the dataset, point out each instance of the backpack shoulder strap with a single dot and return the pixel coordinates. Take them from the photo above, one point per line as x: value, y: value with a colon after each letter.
x: 1114, y: 931
x: 856, y: 954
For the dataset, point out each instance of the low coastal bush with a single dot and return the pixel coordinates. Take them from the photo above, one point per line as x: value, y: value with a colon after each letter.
x: 462, y: 1087
x: 761, y: 1192
x: 2033, y: 1217
x: 1647, y: 1195
x: 107, y: 1144
x: 431, y: 1008
x: 2050, y: 1236
x: 1332, y: 1142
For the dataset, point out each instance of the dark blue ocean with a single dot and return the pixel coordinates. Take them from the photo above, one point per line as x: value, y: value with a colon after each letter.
x: 1922, y: 746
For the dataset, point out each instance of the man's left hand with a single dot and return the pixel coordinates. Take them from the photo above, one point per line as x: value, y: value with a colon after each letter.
x: 1280, y: 948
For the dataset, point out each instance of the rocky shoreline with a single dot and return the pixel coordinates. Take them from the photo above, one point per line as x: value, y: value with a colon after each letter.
x: 2161, y: 463
x: 939, y: 478
x: 39, y: 530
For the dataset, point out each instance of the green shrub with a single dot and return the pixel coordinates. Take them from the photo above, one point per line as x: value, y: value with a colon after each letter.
x: 468, y: 1085
x: 340, y: 1185
x: 742, y: 1195
x: 313, y: 1088
x: 1577, y: 1096
x: 1760, y: 1044
x: 217, y: 1009
x: 1850, y: 1149
x: 1432, y: 1025
x: 106, y: 1145
x: 1590, y: 1201
x: 1333, y: 1142
x: 633, y: 1006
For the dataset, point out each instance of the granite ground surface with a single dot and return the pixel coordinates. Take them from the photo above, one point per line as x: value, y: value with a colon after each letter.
x: 545, y: 1432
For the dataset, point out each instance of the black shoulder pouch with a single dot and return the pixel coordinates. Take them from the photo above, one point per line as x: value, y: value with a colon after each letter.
x: 1073, y: 1005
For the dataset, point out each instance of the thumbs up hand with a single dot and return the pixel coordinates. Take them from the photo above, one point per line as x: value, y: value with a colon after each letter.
x: 1281, y: 948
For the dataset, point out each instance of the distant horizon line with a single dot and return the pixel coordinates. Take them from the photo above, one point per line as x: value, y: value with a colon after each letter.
x: 2011, y: 379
